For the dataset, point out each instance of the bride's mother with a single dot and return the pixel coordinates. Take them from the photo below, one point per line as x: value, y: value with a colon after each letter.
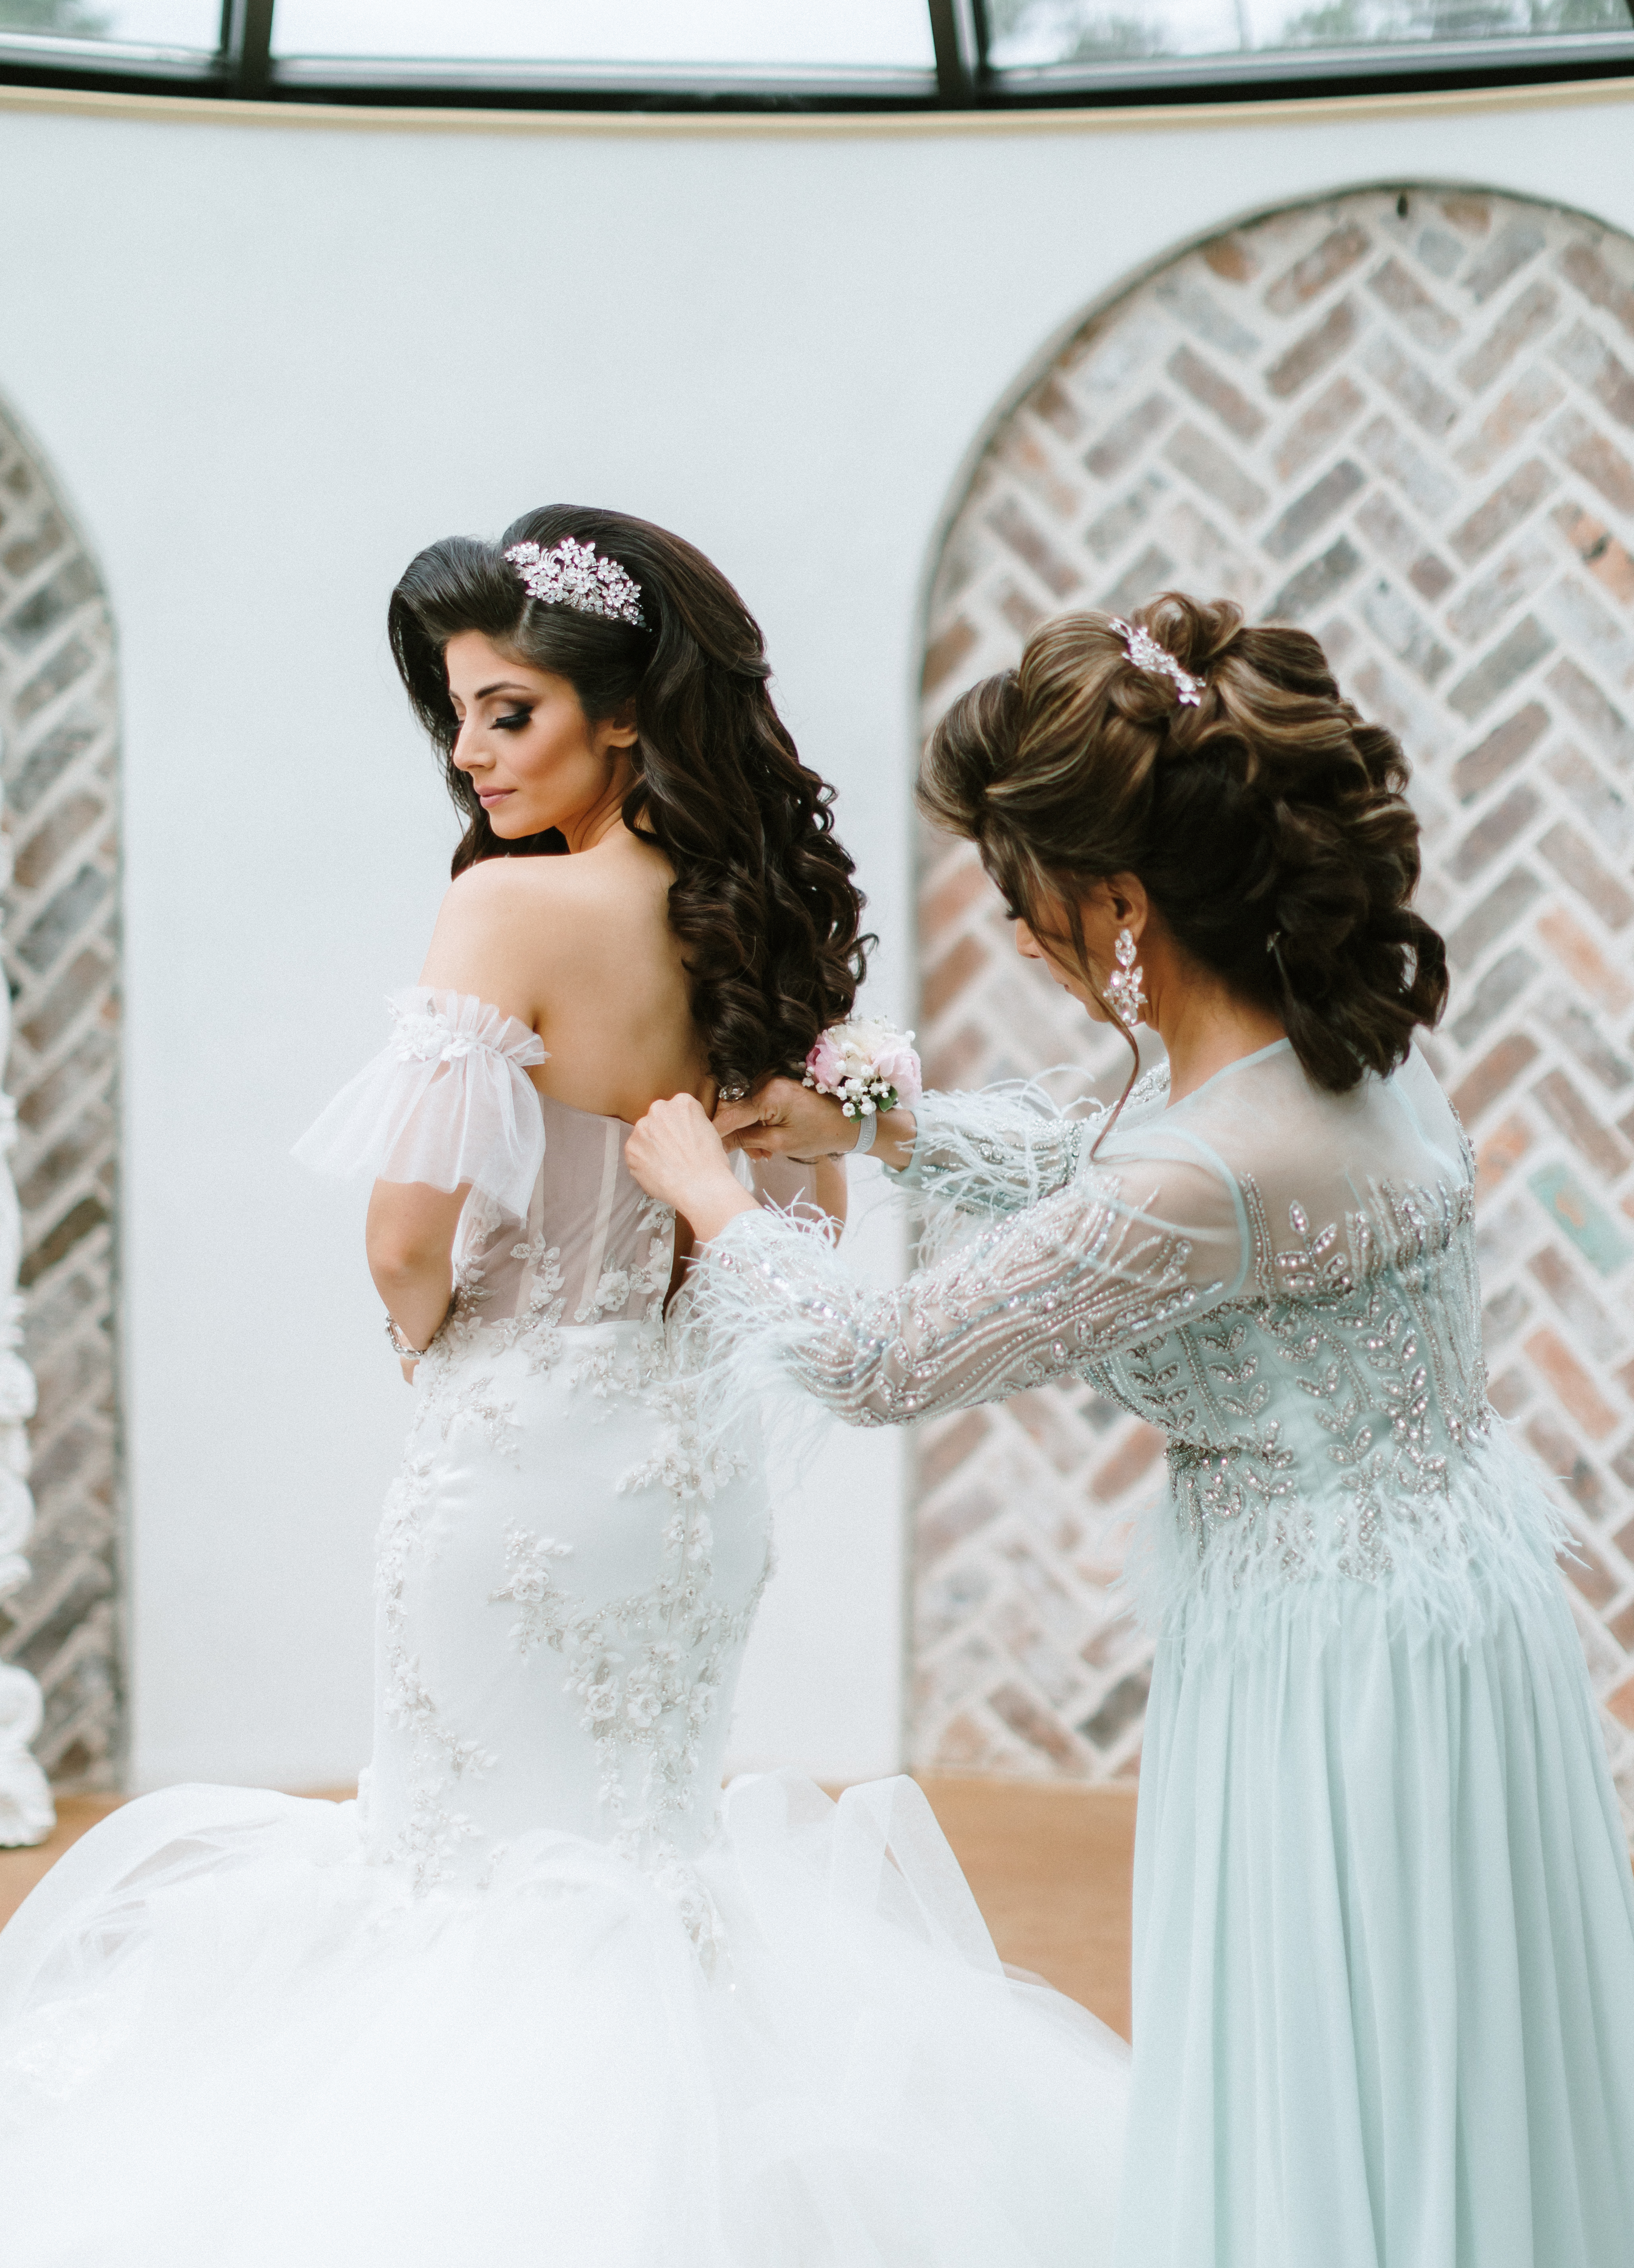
x: 1384, y: 1930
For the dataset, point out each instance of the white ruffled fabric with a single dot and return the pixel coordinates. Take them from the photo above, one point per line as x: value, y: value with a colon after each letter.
x: 448, y: 1101
x: 226, y: 2041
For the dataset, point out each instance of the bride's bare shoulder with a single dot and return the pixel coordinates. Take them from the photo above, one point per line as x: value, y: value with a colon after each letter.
x: 512, y: 927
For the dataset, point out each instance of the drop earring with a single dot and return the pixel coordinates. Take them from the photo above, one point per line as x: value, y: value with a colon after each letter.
x: 1123, y: 985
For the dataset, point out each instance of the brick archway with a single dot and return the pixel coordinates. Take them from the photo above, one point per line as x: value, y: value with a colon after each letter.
x: 59, y: 811
x: 1404, y: 418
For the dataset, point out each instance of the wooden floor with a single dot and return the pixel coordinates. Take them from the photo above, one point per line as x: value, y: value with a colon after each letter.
x: 20, y: 1870
x: 1049, y: 1866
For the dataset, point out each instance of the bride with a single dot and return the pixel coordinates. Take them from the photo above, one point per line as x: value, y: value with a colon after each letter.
x: 541, y: 1995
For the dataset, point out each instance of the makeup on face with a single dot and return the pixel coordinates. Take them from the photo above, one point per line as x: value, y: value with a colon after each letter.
x: 522, y: 741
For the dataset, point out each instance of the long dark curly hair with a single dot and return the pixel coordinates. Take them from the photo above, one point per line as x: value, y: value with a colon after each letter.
x: 762, y: 902
x: 1269, y: 821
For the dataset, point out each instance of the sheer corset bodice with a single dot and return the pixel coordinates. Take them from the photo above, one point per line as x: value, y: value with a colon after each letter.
x: 593, y: 1248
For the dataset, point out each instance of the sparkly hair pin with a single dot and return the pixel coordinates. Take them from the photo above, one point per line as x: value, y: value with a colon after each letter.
x: 571, y: 575
x: 1145, y: 652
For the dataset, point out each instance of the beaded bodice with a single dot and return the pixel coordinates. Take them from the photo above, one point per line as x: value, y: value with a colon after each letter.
x: 1333, y: 1398
x: 1283, y: 1279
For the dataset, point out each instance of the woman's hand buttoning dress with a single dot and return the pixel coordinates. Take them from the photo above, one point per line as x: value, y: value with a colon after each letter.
x: 542, y: 1994
x: 1384, y: 1924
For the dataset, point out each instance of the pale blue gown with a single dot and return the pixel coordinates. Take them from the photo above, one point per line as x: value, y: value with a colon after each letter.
x: 1384, y: 1918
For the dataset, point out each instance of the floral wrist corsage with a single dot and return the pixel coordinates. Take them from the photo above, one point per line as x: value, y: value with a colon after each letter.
x: 867, y: 1066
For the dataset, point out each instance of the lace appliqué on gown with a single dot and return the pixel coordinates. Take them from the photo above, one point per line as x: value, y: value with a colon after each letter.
x: 647, y: 1672
x: 435, y: 1831
x: 559, y: 1296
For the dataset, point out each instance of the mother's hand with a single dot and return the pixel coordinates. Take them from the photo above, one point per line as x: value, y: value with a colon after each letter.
x: 787, y: 1119
x: 676, y: 1155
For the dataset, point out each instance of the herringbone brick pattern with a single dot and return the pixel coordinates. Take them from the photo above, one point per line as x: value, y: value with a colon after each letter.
x: 59, y: 808
x: 1405, y: 420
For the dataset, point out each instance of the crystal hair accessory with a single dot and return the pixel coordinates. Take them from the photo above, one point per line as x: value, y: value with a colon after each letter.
x: 867, y: 1066
x: 1123, y: 985
x: 1145, y: 652
x: 571, y: 575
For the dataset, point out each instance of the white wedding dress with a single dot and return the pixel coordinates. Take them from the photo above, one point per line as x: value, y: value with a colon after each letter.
x: 541, y: 1994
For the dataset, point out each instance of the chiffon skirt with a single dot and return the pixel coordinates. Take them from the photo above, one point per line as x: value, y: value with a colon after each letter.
x: 1384, y: 1952
x: 227, y: 2040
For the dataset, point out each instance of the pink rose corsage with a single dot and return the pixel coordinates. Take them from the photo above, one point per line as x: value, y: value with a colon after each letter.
x: 867, y: 1065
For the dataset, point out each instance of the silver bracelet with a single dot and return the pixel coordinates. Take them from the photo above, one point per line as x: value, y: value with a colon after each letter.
x: 868, y: 1127
x: 400, y: 1339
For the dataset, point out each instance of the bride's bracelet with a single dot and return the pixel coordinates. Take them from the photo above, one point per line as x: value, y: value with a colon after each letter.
x: 868, y: 1066
x: 404, y: 1345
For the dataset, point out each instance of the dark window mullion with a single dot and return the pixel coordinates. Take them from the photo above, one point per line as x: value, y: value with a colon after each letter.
x: 957, y: 34
x: 246, y: 45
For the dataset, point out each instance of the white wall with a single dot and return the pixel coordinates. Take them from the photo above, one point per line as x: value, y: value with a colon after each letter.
x: 268, y: 362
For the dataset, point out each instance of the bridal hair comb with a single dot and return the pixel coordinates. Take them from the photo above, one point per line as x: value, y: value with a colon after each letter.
x: 1145, y: 652
x: 571, y: 575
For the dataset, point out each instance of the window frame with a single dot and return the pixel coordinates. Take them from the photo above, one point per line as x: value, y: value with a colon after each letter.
x: 243, y: 67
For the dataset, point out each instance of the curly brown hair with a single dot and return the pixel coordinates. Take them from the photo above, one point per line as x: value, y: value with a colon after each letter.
x: 1267, y: 822
x: 762, y: 900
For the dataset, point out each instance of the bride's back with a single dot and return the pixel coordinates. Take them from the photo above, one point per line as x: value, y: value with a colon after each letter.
x: 580, y: 950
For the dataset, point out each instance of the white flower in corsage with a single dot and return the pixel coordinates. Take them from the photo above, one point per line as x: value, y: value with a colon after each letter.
x: 867, y: 1066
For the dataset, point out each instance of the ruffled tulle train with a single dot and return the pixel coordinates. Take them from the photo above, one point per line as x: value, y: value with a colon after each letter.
x: 229, y: 2041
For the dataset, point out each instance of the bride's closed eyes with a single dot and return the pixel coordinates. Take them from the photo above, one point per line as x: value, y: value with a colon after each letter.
x: 514, y: 721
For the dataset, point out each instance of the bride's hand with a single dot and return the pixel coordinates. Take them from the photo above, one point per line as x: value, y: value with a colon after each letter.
x: 786, y: 1119
x: 676, y: 1155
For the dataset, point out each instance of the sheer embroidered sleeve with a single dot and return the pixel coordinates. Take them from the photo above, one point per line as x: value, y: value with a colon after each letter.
x: 446, y: 1102
x: 1007, y: 1147
x: 1110, y: 1260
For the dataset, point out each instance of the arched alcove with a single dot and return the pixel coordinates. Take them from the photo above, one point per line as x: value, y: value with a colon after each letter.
x: 1403, y: 419
x: 59, y: 807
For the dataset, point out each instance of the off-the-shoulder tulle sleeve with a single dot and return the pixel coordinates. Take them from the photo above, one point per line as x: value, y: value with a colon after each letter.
x: 448, y: 1101
x: 1007, y: 1147
x: 1113, y: 1259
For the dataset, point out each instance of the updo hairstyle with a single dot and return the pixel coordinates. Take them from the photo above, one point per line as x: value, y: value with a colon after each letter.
x: 1268, y: 823
x: 762, y: 900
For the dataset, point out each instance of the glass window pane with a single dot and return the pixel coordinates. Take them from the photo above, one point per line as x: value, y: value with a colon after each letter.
x: 1026, y: 34
x: 193, y: 24
x: 884, y: 33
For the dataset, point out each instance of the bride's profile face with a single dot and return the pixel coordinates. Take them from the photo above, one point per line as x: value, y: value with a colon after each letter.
x: 525, y: 744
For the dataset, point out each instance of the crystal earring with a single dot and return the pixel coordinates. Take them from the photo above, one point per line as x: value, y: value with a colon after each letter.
x: 1123, y: 985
